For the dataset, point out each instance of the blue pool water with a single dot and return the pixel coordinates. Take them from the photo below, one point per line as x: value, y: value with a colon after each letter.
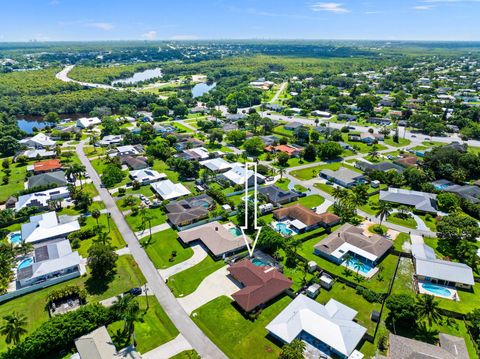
x: 259, y: 262
x: 441, y: 186
x: 235, y: 231
x: 15, y: 238
x: 25, y: 263
x: 437, y: 290
x: 364, y: 267
x: 283, y: 229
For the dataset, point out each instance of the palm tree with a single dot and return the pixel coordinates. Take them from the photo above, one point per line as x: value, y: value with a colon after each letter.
x: 13, y: 327
x: 281, y: 171
x: 373, y: 152
x: 383, y: 210
x: 96, y: 214
x: 428, y: 308
x: 24, y: 248
x: 340, y: 193
x: 128, y: 309
x: 93, y: 140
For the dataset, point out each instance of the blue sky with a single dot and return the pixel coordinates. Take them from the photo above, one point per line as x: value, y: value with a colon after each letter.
x: 52, y: 20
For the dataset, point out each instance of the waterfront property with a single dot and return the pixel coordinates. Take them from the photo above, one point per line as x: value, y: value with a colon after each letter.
x: 350, y: 247
x: 260, y: 283
x: 221, y: 240
x: 40, y: 140
x: 328, y: 329
x: 88, y: 122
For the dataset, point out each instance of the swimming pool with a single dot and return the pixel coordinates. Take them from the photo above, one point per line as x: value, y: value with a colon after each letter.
x: 259, y: 262
x: 441, y: 186
x: 15, y: 237
x: 357, y: 265
x: 437, y: 290
x: 25, y: 263
x: 283, y: 229
x: 234, y: 231
x: 200, y: 203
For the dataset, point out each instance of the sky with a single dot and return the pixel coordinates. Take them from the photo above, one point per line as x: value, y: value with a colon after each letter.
x: 86, y: 20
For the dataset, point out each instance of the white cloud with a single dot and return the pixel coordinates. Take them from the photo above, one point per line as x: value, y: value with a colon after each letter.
x: 423, y: 7
x: 184, y: 37
x: 106, y: 26
x: 330, y: 7
x: 150, y: 35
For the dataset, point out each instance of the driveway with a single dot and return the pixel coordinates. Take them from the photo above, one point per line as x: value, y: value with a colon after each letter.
x: 215, y: 285
x: 199, y: 341
x: 199, y: 254
x: 169, y: 349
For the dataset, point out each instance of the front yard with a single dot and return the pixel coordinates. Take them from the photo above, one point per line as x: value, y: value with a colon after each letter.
x: 161, y: 246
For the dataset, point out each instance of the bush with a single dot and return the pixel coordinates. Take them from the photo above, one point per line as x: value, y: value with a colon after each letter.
x: 369, y: 295
x: 83, y: 234
x: 59, y: 332
x: 70, y: 291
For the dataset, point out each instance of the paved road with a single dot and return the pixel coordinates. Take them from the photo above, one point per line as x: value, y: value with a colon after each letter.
x: 199, y: 341
x: 63, y: 76
x: 277, y: 94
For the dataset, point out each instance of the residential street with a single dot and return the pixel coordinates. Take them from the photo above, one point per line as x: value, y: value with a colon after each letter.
x: 197, y: 339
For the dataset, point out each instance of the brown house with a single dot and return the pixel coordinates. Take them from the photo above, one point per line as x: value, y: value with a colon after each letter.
x: 261, y: 284
x: 407, y: 161
x: 304, y: 219
x: 47, y: 166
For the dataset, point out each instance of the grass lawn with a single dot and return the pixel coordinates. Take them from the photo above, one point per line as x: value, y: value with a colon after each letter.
x: 235, y: 335
x: 324, y: 187
x: 309, y: 201
x: 400, y: 240
x: 15, y: 183
x: 156, y: 328
x: 185, y: 282
x: 349, y: 297
x: 312, y: 172
x: 162, y: 167
x: 182, y: 127
x: 362, y: 147
x: 429, y: 220
x: 378, y: 283
x: 401, y: 142
x: 136, y: 222
x: 409, y: 223
x: 161, y: 246
x: 372, y: 202
x: 32, y: 305
x: 468, y: 301
x: 283, y: 183
x: 280, y: 130
x: 403, y: 283
x: 300, y: 188
x: 187, y: 354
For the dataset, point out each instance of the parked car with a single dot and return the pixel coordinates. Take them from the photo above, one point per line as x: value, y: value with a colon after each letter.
x: 134, y: 291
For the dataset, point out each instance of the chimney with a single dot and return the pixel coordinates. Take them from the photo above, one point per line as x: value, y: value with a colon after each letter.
x: 216, y: 229
x: 338, y: 234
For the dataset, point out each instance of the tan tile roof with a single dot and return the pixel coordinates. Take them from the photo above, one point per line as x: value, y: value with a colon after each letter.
x: 305, y: 215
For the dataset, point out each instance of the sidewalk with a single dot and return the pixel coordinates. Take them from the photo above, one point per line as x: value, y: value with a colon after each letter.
x: 156, y: 229
x: 199, y: 254
x: 169, y: 349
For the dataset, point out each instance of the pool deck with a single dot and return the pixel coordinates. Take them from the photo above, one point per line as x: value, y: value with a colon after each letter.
x: 367, y: 275
x: 453, y: 291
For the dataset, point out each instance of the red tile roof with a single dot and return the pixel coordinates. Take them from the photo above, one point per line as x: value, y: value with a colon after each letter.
x: 48, y: 165
x: 305, y: 215
x: 262, y: 284
x: 282, y: 148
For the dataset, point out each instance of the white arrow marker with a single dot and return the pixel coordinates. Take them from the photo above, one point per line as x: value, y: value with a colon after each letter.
x: 255, y: 205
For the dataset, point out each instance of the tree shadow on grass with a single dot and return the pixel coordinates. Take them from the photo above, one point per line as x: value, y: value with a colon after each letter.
x: 96, y: 286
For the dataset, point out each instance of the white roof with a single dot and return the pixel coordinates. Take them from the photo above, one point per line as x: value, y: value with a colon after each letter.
x: 106, y: 140
x: 331, y: 324
x: 200, y: 151
x: 237, y: 174
x: 216, y: 164
x: 427, y: 265
x: 169, y: 190
x: 88, y: 121
x: 41, y: 152
x: 298, y: 224
x: 128, y: 149
x: 147, y: 175
x: 41, y: 199
x: 45, y: 226
x: 39, y: 140
x: 347, y: 247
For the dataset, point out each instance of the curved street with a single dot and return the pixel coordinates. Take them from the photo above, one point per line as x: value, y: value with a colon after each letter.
x: 197, y: 339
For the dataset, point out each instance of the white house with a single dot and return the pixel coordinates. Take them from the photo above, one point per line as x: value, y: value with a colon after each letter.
x: 38, y: 153
x: 217, y: 165
x: 169, y: 190
x: 127, y: 150
x: 236, y: 175
x: 88, y: 122
x: 46, y: 226
x: 331, y: 324
x: 50, y: 261
x: 146, y: 176
x: 111, y: 140
x: 41, y: 199
x: 40, y: 140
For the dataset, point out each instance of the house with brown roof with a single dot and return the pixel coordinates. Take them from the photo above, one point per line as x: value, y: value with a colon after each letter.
x: 450, y: 347
x: 289, y: 150
x: 189, y: 210
x: 261, y: 284
x: 47, y: 166
x: 221, y: 240
x: 302, y: 219
x: 351, y: 240
x: 407, y: 161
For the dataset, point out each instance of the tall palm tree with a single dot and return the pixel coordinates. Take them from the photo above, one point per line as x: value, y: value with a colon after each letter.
x: 13, y: 327
x: 383, y: 210
x: 96, y: 214
x: 428, y: 308
x: 281, y: 172
x: 373, y: 152
x: 339, y: 193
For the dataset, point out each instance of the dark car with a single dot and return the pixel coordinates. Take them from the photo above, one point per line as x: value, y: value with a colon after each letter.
x: 135, y: 291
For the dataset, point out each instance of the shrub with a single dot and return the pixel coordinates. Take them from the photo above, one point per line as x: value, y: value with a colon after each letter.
x: 69, y: 291
x: 369, y: 295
